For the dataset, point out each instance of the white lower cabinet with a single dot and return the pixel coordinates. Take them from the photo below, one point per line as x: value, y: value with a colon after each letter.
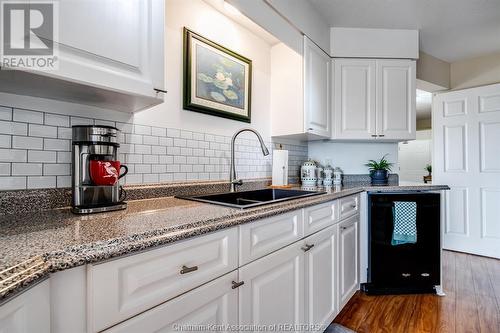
x: 348, y: 258
x: 212, y: 307
x: 321, y: 278
x: 283, y: 281
x: 125, y: 287
x: 28, y: 312
x: 273, y: 293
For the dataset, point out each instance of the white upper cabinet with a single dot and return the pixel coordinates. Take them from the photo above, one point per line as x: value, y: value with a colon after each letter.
x: 396, y: 115
x: 354, y: 98
x: 111, y: 54
x: 374, y: 99
x: 300, y: 92
x: 119, y: 46
x: 316, y: 90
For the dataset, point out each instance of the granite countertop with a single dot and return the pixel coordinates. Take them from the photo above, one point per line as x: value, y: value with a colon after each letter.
x: 34, y: 245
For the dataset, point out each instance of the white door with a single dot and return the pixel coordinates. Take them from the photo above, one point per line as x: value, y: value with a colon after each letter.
x: 396, y: 115
x: 273, y: 293
x: 113, y: 44
x: 354, y: 99
x: 321, y: 277
x: 316, y: 90
x: 466, y: 155
x: 349, y: 259
x: 212, y: 307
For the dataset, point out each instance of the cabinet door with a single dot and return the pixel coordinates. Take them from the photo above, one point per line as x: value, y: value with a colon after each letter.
x: 396, y: 115
x: 273, y: 292
x: 112, y: 44
x: 316, y: 90
x: 214, y: 305
x: 321, y: 277
x: 348, y: 262
x: 354, y: 99
x: 28, y: 312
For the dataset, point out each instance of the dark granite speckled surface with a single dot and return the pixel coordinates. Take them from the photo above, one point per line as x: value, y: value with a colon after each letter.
x: 34, y: 245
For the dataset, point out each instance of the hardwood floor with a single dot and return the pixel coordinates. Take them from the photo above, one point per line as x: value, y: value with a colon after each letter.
x: 471, y: 304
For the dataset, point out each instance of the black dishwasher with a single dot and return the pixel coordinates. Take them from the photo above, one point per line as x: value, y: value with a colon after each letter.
x: 410, y: 265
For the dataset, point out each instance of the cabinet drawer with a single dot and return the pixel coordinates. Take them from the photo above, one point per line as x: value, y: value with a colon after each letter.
x: 320, y: 216
x: 265, y: 236
x: 214, y: 303
x: 349, y: 206
x: 125, y: 287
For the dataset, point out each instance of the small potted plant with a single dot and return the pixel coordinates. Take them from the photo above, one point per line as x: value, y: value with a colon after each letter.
x: 428, y: 178
x: 428, y: 167
x: 379, y: 171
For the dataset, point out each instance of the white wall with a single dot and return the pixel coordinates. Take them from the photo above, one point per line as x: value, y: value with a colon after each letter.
x: 205, y: 20
x: 352, y: 157
x: 475, y: 72
x: 306, y: 18
x: 433, y: 70
x: 414, y: 157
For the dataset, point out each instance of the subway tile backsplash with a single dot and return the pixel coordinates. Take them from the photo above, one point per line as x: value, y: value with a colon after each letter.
x: 35, y: 152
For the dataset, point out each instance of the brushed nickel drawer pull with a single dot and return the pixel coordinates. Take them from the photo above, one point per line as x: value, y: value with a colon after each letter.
x: 307, y: 247
x: 374, y: 135
x: 237, y: 284
x: 186, y: 269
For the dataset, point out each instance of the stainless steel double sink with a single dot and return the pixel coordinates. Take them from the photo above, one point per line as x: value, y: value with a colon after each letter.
x: 248, y: 199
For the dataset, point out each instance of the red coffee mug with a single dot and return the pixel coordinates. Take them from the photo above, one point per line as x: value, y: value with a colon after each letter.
x: 106, y: 172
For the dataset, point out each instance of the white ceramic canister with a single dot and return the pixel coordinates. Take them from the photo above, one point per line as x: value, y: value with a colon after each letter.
x: 337, y: 176
x: 328, y: 173
x: 308, y: 173
x: 319, y: 175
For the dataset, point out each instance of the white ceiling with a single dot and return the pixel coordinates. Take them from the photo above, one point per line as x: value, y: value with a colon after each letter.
x: 424, y: 104
x: 449, y: 29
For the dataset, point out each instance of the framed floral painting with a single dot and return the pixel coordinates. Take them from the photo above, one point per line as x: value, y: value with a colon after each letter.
x: 217, y: 81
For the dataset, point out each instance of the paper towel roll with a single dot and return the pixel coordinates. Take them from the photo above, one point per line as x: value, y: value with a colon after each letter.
x: 280, y: 167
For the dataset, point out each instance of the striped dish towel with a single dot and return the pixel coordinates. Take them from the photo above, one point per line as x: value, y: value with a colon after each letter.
x: 405, y: 222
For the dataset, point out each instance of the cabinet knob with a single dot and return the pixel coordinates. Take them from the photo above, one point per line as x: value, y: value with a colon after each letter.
x: 307, y: 247
x: 237, y: 284
x: 354, y: 206
x: 185, y: 269
x: 310, y: 129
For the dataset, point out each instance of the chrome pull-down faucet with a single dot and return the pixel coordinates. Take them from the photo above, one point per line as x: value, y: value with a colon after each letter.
x: 232, y: 173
